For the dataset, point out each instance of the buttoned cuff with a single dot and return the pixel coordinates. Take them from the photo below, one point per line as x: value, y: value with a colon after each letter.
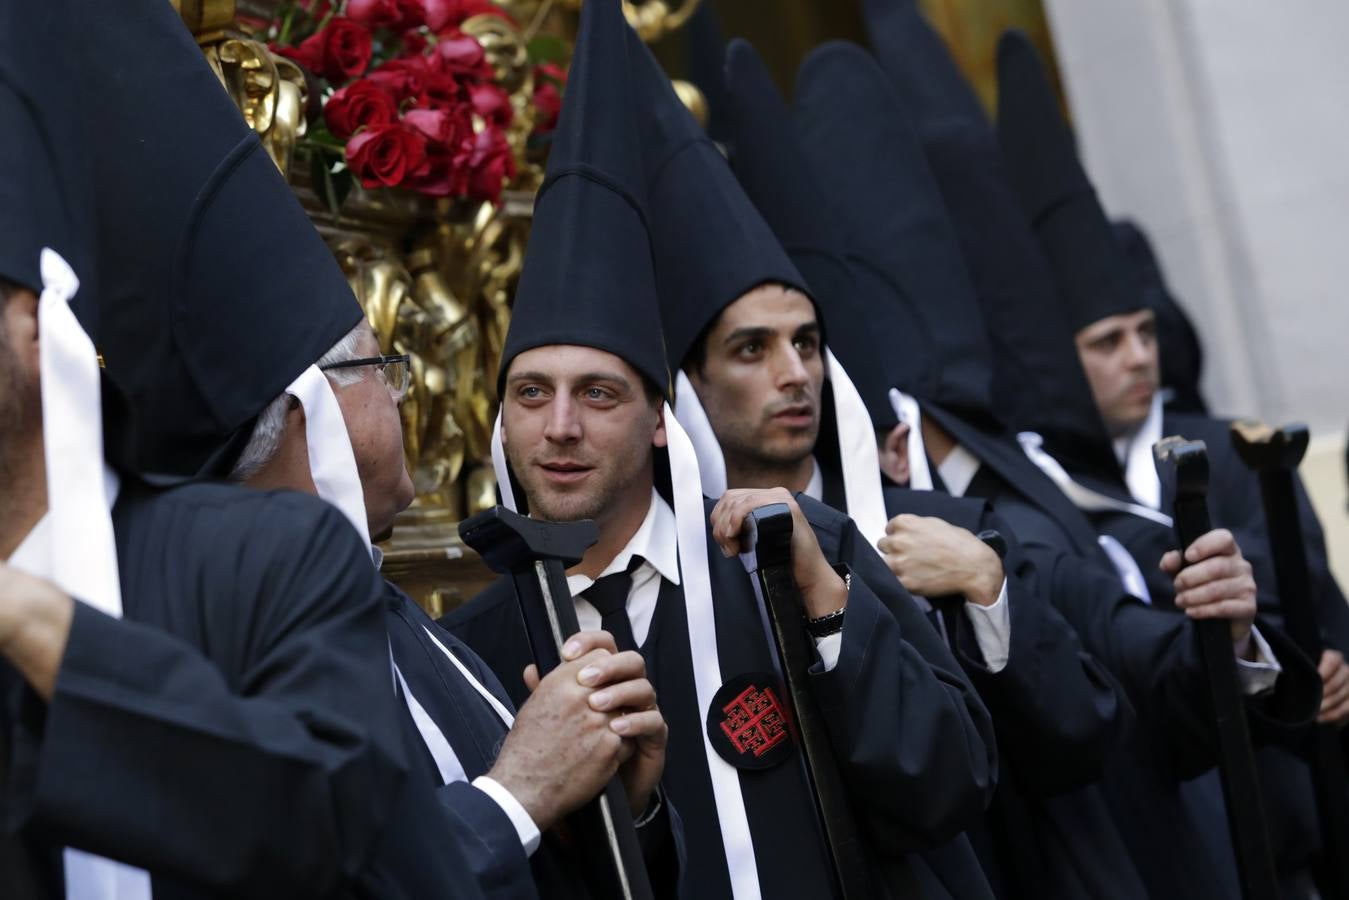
x: 524, y: 825
x: 1259, y: 675
x: 993, y: 629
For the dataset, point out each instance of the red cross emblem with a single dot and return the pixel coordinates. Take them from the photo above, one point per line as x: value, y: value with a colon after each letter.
x: 754, y: 721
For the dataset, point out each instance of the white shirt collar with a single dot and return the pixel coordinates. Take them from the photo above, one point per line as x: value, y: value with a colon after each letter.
x: 654, y: 541
x: 815, y: 487
x: 1134, y: 452
x: 958, y: 470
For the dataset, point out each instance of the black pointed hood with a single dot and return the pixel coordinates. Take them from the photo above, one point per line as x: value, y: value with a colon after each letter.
x: 856, y: 133
x: 705, y: 52
x: 46, y: 184
x: 712, y: 246
x: 1038, y: 383
x: 589, y: 277
x: 918, y: 63
x: 1089, y: 268
x: 217, y: 291
x: 856, y: 306
x: 1178, y: 345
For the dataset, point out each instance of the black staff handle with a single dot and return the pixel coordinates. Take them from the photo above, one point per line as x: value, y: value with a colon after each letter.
x: 768, y: 534
x: 535, y: 554
x: 1185, y: 464
x: 1274, y: 456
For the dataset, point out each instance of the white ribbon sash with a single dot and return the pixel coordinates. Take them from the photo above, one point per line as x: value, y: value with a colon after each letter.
x: 1083, y: 497
x: 693, y: 419
x: 332, y: 464
x: 80, y: 493
x: 908, y: 411
x: 1140, y: 471
x: 857, y: 453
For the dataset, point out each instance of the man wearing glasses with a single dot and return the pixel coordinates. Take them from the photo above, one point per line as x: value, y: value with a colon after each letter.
x: 269, y: 375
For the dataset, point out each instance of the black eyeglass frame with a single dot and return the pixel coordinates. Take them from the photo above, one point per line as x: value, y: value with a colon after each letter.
x: 404, y: 358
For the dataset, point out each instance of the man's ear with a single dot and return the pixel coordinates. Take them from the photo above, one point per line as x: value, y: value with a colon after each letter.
x: 21, y: 324
x: 894, y: 454
x: 659, y: 437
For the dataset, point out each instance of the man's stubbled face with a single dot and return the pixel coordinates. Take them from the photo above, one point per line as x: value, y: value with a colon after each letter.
x: 760, y: 384
x: 1119, y: 356
x: 579, y: 429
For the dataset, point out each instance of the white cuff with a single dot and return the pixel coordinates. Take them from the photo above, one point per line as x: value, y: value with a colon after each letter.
x: 829, y: 647
x: 993, y: 629
x: 524, y: 825
x: 1259, y: 675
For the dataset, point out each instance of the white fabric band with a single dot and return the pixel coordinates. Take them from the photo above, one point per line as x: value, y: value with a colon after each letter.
x: 1140, y: 470
x: 908, y: 411
x: 691, y: 528
x: 857, y: 454
x: 503, y: 472
x: 332, y: 464
x: 80, y: 492
x: 693, y: 418
x: 1083, y: 497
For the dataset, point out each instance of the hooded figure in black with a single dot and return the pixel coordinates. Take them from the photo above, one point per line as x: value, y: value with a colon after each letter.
x: 913, y: 745
x: 1178, y: 344
x: 1096, y: 287
x: 1055, y: 730
x: 220, y: 721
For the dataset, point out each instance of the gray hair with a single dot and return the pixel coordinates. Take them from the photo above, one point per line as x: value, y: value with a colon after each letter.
x: 271, y: 425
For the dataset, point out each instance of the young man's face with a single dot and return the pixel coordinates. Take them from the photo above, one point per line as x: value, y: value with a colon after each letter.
x: 1119, y: 354
x: 761, y: 380
x: 578, y: 429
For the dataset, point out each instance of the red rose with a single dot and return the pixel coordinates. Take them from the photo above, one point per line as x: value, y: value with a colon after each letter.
x: 404, y: 78
x: 490, y: 165
x: 438, y: 13
x: 462, y: 55
x: 414, y: 43
x: 447, y: 130
x: 548, y: 103
x: 443, y: 90
x: 360, y: 104
x: 375, y: 13
x: 386, y: 155
x: 492, y: 103
x: 339, y: 52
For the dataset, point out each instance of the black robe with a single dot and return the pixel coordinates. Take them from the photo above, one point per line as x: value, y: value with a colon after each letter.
x: 913, y: 739
x: 235, y: 733
x: 475, y: 732
x: 1235, y: 504
x: 1058, y: 715
x: 1153, y: 652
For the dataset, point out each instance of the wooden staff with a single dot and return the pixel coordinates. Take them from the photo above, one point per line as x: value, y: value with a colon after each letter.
x: 1274, y: 457
x: 1185, y: 465
x: 536, y: 554
x: 768, y: 535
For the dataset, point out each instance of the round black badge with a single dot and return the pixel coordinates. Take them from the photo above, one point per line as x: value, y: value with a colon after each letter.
x: 748, y: 723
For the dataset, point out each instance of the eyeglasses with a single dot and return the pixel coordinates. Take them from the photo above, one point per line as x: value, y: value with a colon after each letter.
x: 393, y: 369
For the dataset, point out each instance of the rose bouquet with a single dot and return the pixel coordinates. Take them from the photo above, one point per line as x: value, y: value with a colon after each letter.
x: 407, y: 99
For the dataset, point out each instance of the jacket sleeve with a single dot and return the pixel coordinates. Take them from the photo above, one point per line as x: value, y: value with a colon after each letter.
x: 915, y: 740
x: 253, y: 751
x: 1155, y: 654
x: 1056, y: 709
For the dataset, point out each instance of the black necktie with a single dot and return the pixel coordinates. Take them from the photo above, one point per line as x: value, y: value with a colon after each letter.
x: 609, y: 595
